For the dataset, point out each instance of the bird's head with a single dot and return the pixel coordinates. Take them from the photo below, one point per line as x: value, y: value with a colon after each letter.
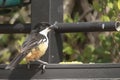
x: 41, y: 27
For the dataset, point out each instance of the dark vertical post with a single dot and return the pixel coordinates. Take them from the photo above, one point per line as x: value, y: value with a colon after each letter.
x: 49, y: 11
x: 40, y: 11
x: 55, y: 15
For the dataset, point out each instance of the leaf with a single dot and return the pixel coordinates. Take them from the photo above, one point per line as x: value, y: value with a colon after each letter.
x: 76, y: 17
x: 88, y: 51
x: 107, y: 52
x: 118, y: 4
x: 102, y: 37
x: 110, y: 5
x: 68, y: 50
x: 97, y: 6
x: 105, y: 18
x: 68, y: 19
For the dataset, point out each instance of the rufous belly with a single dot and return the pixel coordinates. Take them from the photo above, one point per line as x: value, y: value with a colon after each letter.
x: 36, y: 52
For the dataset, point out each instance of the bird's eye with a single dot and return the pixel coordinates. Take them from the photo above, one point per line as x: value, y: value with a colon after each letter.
x: 42, y: 27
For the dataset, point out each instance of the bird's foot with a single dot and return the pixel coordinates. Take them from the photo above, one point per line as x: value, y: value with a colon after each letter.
x: 28, y: 66
x: 43, y: 65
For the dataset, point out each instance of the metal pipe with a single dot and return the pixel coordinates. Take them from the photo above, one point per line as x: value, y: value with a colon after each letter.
x: 64, y: 27
x: 86, y: 27
x: 15, y: 28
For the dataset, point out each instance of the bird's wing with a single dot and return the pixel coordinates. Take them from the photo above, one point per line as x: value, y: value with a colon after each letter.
x: 31, y: 42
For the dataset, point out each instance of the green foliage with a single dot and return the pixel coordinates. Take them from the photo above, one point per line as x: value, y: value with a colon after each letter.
x: 10, y: 45
x: 3, y: 39
x: 105, y: 18
x: 118, y: 4
x: 72, y: 39
x: 97, y: 6
x: 87, y: 54
x: 76, y: 46
x: 4, y: 55
x: 108, y: 47
x: 68, y: 19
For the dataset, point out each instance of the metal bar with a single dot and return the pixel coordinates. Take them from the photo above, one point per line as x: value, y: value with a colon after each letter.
x: 62, y: 71
x: 55, y: 43
x: 86, y: 27
x: 64, y: 27
x: 50, y: 12
x: 15, y: 28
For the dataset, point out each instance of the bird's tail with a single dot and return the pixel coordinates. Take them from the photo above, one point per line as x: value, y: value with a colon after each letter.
x: 15, y: 61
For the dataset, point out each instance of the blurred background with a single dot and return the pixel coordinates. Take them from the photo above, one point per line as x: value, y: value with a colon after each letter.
x: 90, y: 47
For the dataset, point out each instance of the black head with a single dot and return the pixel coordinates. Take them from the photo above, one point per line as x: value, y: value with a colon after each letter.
x: 40, y: 26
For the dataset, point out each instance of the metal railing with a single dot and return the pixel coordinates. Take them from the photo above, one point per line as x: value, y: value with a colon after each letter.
x: 64, y: 27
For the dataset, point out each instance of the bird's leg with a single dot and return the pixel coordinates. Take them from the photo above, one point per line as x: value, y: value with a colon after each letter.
x: 43, y: 68
x: 28, y: 65
x: 43, y: 64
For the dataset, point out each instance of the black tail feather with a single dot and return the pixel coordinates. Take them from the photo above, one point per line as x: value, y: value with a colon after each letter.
x: 15, y: 61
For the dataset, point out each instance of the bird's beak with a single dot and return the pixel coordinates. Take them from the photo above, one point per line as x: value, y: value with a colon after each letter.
x: 45, y: 31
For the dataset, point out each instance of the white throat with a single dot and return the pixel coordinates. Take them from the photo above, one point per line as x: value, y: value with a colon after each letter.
x: 44, y: 32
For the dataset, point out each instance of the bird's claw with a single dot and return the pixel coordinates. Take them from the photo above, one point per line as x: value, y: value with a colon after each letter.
x: 43, y: 67
x: 28, y: 66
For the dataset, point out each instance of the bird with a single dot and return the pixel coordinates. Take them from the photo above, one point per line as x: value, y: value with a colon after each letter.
x: 34, y: 47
